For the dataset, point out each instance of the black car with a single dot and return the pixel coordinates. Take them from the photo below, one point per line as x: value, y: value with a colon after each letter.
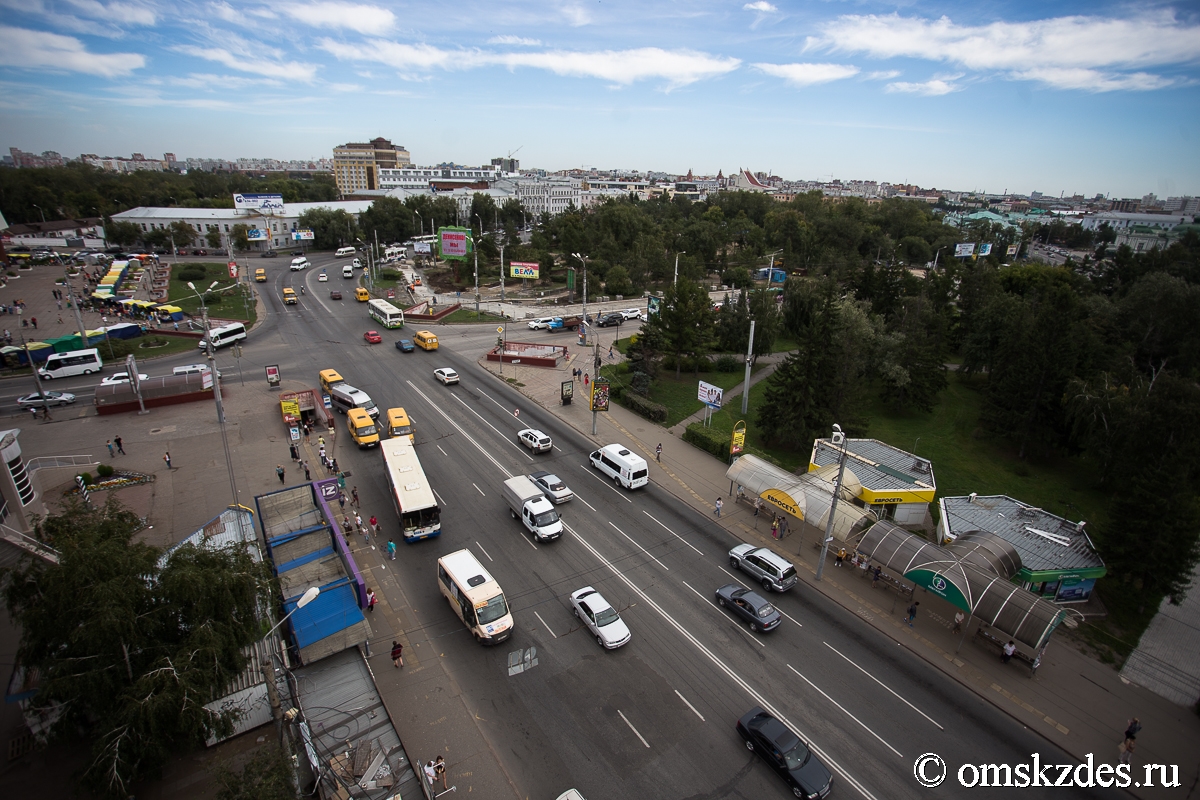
x: 790, y: 757
x: 404, y: 345
x: 20, y: 248
x: 609, y: 319
x: 297, y: 252
x: 750, y: 607
x: 268, y: 254
x: 199, y: 251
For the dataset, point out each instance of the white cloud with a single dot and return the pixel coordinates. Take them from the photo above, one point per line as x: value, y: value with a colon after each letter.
x: 809, y: 74
x: 931, y: 88
x: 577, y: 16
x: 1090, y: 80
x: 120, y: 13
x: 225, y: 11
x: 38, y: 50
x: 885, y: 75
x: 351, y: 16
x: 400, y: 56
x: 220, y: 83
x: 249, y: 60
x: 761, y: 6
x: 510, y: 39
x: 1054, y: 45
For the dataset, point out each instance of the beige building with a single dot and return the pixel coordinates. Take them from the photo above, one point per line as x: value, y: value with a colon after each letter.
x: 356, y: 165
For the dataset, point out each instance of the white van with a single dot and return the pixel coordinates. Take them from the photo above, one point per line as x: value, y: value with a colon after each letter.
x: 619, y: 463
x: 193, y: 369
x: 76, y: 362
x: 347, y: 271
x: 344, y: 397
x: 298, y: 263
x: 224, y: 335
x: 344, y: 252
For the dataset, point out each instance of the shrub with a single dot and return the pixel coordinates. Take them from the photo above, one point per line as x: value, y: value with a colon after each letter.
x: 391, y: 275
x: 655, y: 412
x: 727, y: 363
x: 640, y: 383
x: 104, y: 471
x: 87, y: 478
x: 708, y: 439
x: 192, y: 272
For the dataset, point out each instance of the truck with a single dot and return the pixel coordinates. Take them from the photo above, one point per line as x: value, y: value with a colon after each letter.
x: 527, y: 504
x: 564, y: 323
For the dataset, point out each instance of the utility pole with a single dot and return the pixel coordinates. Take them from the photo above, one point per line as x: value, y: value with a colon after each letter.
x: 502, y: 297
x: 595, y: 370
x: 746, y: 382
x: 476, y: 249
x: 37, y: 379
x: 78, y: 317
x: 839, y: 440
x: 677, y: 255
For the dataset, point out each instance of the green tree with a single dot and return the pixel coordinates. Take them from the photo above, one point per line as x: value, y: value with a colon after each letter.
x: 768, y: 321
x: 733, y: 324
x: 238, y: 237
x: 684, y: 322
x: 130, y: 649
x: 912, y: 368
x: 331, y: 229
x: 212, y: 238
x: 616, y: 281
x: 388, y: 220
x: 268, y: 775
x: 122, y: 234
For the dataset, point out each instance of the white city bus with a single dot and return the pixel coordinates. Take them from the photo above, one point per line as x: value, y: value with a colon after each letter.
x: 416, y: 504
x: 385, y: 314
x: 475, y: 597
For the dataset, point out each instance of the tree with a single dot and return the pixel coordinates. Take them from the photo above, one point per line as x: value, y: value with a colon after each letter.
x: 684, y: 321
x: 239, y: 238
x: 388, y: 220
x: 768, y: 321
x: 268, y: 775
x: 330, y: 228
x: 130, y: 649
x: 616, y: 281
x: 733, y: 324
x: 122, y: 234
x: 912, y: 368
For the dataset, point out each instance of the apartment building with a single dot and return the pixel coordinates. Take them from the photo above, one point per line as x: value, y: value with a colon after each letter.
x: 356, y: 165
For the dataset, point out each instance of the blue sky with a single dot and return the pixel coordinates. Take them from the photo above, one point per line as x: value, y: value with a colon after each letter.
x: 1055, y: 97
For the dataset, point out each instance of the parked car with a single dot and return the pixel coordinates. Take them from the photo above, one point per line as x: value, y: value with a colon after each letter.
x: 372, y: 337
x: 552, y: 486
x: 539, y: 324
x: 46, y: 399
x: 199, y: 251
x: 268, y: 254
x: 786, y: 752
x: 750, y: 607
x: 773, y: 571
x: 535, y: 440
x: 632, y: 313
x: 297, y: 252
x: 614, y: 319
x: 600, y: 618
x: 404, y: 345
x: 446, y: 375
x: 122, y: 377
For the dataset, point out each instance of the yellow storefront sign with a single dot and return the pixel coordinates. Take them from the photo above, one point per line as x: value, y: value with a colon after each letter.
x: 782, y: 501
x: 889, y: 496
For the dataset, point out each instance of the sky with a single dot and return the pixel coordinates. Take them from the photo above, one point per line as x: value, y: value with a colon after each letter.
x: 1059, y: 97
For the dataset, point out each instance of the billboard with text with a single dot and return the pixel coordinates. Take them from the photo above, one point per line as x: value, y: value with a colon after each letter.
x: 266, y: 203
x: 303, y: 235
x: 963, y: 250
x: 257, y: 235
x: 453, y: 242
x: 524, y: 269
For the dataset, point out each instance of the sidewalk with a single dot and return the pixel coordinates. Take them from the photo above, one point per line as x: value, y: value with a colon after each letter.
x: 1074, y: 701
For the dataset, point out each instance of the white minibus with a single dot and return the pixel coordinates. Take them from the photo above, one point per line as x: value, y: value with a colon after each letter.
x: 76, y: 362
x: 227, y: 334
x: 475, y: 597
x: 622, y: 465
x: 344, y: 252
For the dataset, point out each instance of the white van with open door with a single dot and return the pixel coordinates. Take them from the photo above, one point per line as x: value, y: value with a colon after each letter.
x: 76, y: 362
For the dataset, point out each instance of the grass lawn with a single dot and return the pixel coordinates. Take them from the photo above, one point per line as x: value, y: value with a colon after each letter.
x: 464, y: 315
x: 679, y: 396
x: 142, y: 348
x: 230, y: 304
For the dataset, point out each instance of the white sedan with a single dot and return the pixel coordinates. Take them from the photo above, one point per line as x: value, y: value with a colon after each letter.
x: 122, y: 377
x: 322, y: 278
x: 46, y: 399
x: 446, y: 375
x: 601, y: 618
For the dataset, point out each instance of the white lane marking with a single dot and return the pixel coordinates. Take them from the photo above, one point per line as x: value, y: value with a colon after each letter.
x: 730, y: 673
x: 789, y: 616
x: 439, y: 447
x: 459, y: 428
x: 847, y: 713
x: 539, y: 616
x: 586, y: 503
x: 721, y: 613
x: 439, y: 497
x: 635, y: 730
x: 604, y: 482
x: 528, y: 541
x: 885, y: 686
x: 493, y: 427
x: 673, y: 533
x: 689, y: 705
x: 736, y: 579
x: 479, y: 490
x: 639, y: 547
x: 485, y: 552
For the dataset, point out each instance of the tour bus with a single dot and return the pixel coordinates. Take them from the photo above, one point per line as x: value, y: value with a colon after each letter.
x: 416, y: 504
x: 398, y: 423
x: 227, y: 334
x: 344, y: 252
x: 475, y: 597
x: 385, y: 314
x: 362, y: 428
x: 76, y: 362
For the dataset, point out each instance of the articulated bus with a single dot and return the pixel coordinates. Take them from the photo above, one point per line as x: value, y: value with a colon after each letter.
x: 385, y: 314
x: 416, y: 504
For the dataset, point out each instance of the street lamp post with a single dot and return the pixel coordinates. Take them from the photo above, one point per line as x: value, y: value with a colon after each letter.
x: 677, y: 255
x: 269, y: 667
x: 502, y: 297
x: 839, y: 440
x: 476, y: 249
x: 208, y: 349
x: 43, y: 213
x: 771, y: 266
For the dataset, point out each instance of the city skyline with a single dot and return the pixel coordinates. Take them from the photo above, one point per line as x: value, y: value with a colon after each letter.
x: 1094, y: 99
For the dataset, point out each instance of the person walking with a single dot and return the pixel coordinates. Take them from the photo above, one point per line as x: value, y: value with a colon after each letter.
x: 307, y: 474
x: 1126, y: 750
x: 717, y: 507
x: 430, y: 772
x: 34, y: 321
x: 374, y: 523
x: 1010, y: 650
x: 371, y: 600
x: 167, y: 458
x: 1133, y: 729
x: 875, y: 576
x: 342, y: 500
x: 391, y: 547
x: 757, y: 505
x: 117, y: 442
x: 439, y: 769
x: 111, y: 452
x: 912, y: 613
x: 397, y: 654
x: 307, y: 434
x: 279, y: 470
x: 841, y: 556
x: 358, y: 521
x: 658, y: 452
x: 295, y: 453
x: 354, y: 497
x: 959, y: 617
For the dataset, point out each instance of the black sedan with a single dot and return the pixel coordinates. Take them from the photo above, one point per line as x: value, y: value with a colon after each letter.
x: 609, y: 319
x: 786, y: 753
x: 752, y: 609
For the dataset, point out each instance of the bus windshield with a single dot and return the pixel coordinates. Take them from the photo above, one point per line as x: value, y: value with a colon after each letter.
x: 494, y: 609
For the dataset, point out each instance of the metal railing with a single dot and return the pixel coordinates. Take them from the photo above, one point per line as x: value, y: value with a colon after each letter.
x: 45, y: 462
x: 27, y: 542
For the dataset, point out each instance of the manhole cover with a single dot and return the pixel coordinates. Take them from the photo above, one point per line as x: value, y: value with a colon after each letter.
x: 156, y: 430
x: 164, y: 429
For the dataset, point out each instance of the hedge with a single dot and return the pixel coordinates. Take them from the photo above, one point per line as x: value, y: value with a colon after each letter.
x: 710, y: 440
x: 655, y: 412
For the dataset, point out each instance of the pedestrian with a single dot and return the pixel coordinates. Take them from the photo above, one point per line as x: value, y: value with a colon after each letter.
x: 439, y: 769
x: 346, y: 526
x: 307, y: 474
x: 841, y: 556
x: 60, y: 322
x: 757, y: 505
x: 295, y: 453
x: 371, y: 600
x: 1010, y: 650
x: 354, y: 496
x: 610, y: 353
x: 117, y: 442
x: 958, y: 621
x: 110, y: 448
x: 392, y: 549
x: 430, y: 772
x: 333, y: 467
x: 167, y: 458
x: 717, y: 510
x: 341, y: 479
x: 1126, y: 750
x: 376, y: 526
x: 862, y: 564
x: 176, y: 324
x: 585, y: 381
x: 783, y: 527
x: 33, y: 410
x: 342, y: 500
x: 321, y: 442
x: 1134, y: 728
x: 875, y: 576
x: 912, y: 613
x: 775, y: 528
x: 658, y: 452
x: 321, y: 452
x: 34, y: 321
x: 279, y: 470
x: 397, y: 654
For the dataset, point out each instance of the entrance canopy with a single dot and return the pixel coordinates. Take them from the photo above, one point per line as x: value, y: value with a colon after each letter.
x: 968, y: 584
x: 806, y: 497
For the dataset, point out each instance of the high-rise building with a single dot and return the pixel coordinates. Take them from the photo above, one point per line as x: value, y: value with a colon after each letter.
x: 356, y: 165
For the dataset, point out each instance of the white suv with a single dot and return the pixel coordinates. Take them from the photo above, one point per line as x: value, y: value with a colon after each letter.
x: 540, y: 324
x: 535, y: 440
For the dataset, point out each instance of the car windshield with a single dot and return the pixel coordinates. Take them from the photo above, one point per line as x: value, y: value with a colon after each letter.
x: 606, y: 617
x: 366, y: 430
x: 766, y: 610
x: 545, y: 518
x: 402, y: 430
x: 493, y: 610
x: 796, y: 757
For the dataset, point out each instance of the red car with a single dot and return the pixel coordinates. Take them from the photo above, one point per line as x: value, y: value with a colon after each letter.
x: 373, y: 337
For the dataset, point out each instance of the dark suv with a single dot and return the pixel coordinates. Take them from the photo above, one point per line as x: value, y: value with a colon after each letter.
x: 609, y: 319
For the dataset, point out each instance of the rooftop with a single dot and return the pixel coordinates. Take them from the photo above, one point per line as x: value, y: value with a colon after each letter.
x: 878, y: 466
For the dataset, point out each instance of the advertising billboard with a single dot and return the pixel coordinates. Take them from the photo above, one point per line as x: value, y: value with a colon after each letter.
x: 453, y: 242
x: 303, y: 235
x: 599, y: 395
x: 268, y: 203
x: 653, y: 306
x: 422, y: 247
x: 1011, y: 251
x: 963, y: 250
x: 709, y: 394
x: 257, y: 235
x: 524, y: 269
x: 985, y: 250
